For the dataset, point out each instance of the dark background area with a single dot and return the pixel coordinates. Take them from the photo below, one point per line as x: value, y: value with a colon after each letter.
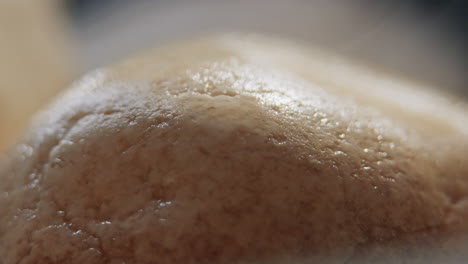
x: 450, y: 14
x: 449, y: 17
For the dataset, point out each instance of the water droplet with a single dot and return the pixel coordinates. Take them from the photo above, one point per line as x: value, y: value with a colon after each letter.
x: 366, y: 150
x: 383, y: 154
x: 342, y: 136
x: 66, y: 142
x: 163, y: 125
x: 164, y: 204
x: 366, y: 168
x: 26, y: 150
x: 56, y: 163
x: 32, y: 217
x: 32, y: 176
x: 33, y: 183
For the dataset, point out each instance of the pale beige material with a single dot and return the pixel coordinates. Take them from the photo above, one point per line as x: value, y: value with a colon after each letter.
x: 34, y: 61
x: 243, y: 150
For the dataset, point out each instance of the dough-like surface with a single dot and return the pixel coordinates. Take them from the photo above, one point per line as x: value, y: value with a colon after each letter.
x: 238, y: 149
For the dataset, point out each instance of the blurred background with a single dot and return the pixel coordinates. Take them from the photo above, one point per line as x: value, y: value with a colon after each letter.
x: 45, y: 45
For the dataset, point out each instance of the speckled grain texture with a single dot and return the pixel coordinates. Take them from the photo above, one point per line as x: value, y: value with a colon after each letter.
x: 238, y: 150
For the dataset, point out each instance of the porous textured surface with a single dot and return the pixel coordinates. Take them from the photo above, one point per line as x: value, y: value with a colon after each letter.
x: 238, y: 149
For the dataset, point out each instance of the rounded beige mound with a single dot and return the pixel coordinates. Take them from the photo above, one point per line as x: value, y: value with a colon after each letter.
x: 238, y: 149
